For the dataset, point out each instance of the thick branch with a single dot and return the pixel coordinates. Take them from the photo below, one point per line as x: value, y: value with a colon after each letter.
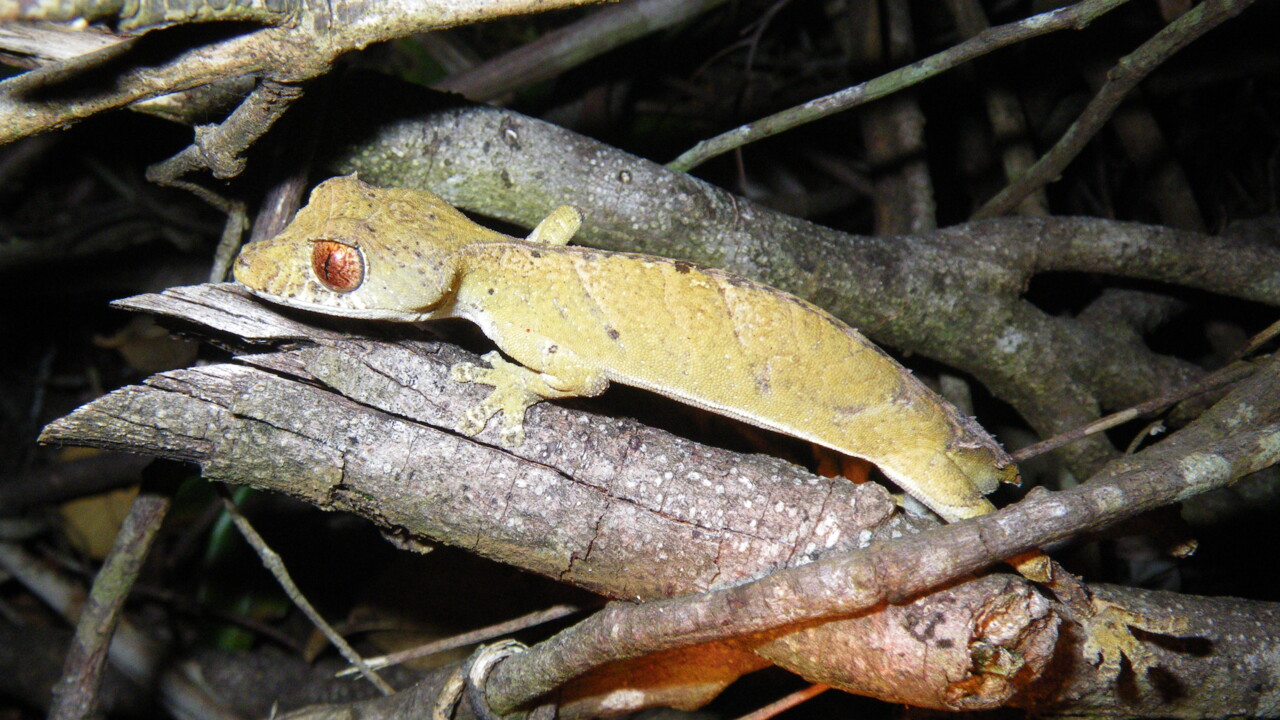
x: 630, y: 511
x: 603, y: 503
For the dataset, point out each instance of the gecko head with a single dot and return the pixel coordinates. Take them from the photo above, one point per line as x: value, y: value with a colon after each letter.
x: 360, y: 251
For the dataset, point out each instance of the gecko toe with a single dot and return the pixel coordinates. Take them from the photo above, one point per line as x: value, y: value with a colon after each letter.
x: 463, y: 372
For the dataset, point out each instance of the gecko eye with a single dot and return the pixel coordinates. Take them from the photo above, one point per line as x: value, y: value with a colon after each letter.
x: 337, y: 266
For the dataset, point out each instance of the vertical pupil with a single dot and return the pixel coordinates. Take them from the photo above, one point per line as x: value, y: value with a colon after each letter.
x: 337, y: 266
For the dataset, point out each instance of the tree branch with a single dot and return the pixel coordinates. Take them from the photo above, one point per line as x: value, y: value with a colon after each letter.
x: 300, y: 49
x: 632, y: 512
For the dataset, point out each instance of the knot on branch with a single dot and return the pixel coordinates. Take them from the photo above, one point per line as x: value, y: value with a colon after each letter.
x: 223, y: 161
x: 477, y: 669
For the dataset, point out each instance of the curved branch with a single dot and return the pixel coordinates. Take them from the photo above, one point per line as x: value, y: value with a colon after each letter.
x: 846, y: 584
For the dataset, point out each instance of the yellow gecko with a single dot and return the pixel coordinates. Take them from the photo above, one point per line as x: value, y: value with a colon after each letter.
x: 576, y: 319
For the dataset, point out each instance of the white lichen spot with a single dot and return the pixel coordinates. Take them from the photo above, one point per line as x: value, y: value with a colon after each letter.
x: 1199, y: 469
x: 1010, y: 341
x: 1243, y: 415
x: 1270, y: 444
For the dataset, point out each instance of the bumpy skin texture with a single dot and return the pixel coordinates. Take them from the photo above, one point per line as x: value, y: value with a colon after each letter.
x: 576, y: 319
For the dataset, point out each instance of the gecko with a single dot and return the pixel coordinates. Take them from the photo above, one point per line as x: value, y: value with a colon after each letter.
x: 576, y: 319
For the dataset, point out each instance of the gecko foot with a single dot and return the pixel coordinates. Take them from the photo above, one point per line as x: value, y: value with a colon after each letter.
x: 509, y: 397
x: 1109, y: 637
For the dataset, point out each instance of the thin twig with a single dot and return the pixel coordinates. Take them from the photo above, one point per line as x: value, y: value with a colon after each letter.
x: 469, y: 638
x: 229, y: 244
x: 786, y: 703
x: 1212, y: 381
x: 273, y: 563
x: 132, y: 651
x: 218, y: 148
x: 572, y: 45
x: 77, y: 693
x: 1259, y: 340
x: 1122, y: 79
x: 1075, y: 17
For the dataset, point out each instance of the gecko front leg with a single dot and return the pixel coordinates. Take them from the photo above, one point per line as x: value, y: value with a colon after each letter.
x: 516, y: 388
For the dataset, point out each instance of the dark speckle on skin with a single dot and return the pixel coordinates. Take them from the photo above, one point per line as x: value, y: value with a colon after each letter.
x: 764, y: 384
x: 551, y: 350
x: 613, y: 334
x: 848, y: 413
x: 682, y: 267
x: 535, y: 254
x: 490, y: 291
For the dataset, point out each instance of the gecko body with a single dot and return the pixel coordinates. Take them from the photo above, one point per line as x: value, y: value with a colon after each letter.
x: 575, y: 319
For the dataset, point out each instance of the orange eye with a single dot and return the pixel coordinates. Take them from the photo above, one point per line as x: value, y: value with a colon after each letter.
x: 337, y: 266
